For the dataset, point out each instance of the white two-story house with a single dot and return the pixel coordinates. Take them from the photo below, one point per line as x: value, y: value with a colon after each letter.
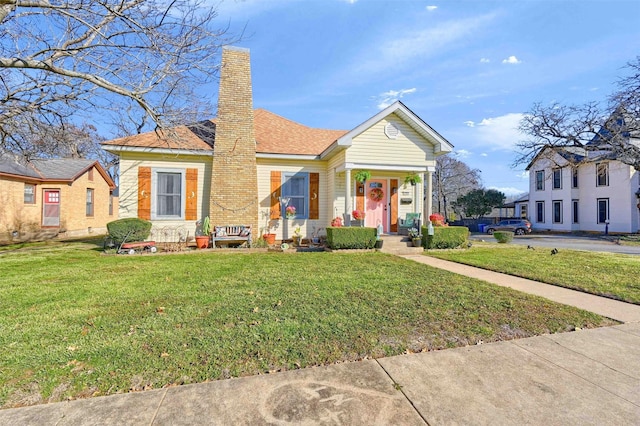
x: 578, y: 189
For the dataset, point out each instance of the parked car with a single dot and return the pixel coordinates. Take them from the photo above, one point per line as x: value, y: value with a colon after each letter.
x: 517, y: 226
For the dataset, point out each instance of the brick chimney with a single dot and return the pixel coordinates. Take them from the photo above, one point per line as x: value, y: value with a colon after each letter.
x: 234, y: 181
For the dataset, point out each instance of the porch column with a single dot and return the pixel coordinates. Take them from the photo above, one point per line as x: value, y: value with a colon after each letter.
x: 347, y: 197
x: 428, y: 202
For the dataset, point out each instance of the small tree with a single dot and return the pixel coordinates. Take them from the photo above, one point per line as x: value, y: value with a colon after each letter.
x: 480, y: 202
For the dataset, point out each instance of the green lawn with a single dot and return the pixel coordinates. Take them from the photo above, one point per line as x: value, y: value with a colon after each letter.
x: 76, y: 323
x: 606, y: 274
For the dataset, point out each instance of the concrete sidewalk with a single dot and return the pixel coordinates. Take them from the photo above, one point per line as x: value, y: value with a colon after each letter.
x: 587, y: 377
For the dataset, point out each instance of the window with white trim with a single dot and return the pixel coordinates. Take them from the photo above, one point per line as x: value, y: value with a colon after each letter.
x: 540, y: 211
x: 603, y: 210
x: 168, y: 187
x: 557, y: 211
x: 574, y: 211
x: 89, y: 209
x: 540, y: 180
x: 557, y: 179
x: 29, y: 193
x: 602, y: 174
x: 295, y: 187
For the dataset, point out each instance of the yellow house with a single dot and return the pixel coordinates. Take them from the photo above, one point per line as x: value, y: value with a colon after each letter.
x: 248, y: 166
x: 54, y: 197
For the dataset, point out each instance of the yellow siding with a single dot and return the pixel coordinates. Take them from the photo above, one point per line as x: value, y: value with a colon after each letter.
x: 374, y: 147
x: 15, y: 215
x: 265, y: 166
x: 129, y: 164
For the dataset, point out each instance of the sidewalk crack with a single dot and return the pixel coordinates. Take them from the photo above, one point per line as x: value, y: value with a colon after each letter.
x: 398, y: 387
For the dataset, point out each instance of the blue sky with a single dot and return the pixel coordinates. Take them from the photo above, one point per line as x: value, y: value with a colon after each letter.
x: 470, y: 69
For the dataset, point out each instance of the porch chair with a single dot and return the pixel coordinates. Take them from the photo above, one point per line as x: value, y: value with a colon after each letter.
x: 412, y: 220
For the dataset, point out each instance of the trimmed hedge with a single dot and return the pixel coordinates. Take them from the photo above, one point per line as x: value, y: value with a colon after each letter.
x: 445, y: 237
x: 503, y: 236
x: 131, y: 229
x: 351, y: 237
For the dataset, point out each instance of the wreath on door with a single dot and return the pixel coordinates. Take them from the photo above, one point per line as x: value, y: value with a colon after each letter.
x: 376, y: 194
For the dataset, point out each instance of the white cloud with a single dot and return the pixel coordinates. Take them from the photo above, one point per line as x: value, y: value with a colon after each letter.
x: 485, y: 60
x: 508, y: 191
x: 431, y: 8
x: 497, y: 132
x: 511, y: 60
x: 484, y: 154
x: 462, y: 153
x: 524, y: 175
x: 394, y: 52
x: 387, y: 98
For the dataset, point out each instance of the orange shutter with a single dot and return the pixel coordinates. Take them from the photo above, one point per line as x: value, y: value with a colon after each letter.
x: 276, y: 181
x: 191, y: 208
x: 314, y: 195
x: 359, y: 196
x: 144, y: 193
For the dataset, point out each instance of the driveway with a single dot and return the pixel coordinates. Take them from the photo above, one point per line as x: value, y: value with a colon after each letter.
x: 573, y: 242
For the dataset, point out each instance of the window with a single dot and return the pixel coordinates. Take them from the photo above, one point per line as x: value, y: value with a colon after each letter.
x: 540, y: 180
x: 603, y: 210
x: 29, y: 193
x: 540, y: 211
x: 295, y: 186
x: 523, y: 211
x: 89, y: 202
x: 574, y: 211
x: 557, y: 179
x: 602, y: 174
x: 557, y: 211
x: 168, y: 189
x: 574, y: 177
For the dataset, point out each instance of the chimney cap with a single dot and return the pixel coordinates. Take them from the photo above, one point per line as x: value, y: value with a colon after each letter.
x: 236, y: 48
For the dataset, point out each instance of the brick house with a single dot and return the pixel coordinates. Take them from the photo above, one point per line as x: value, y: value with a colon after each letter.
x: 238, y: 167
x: 52, y: 197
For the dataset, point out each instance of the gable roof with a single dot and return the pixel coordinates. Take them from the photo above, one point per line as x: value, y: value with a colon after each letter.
x: 442, y: 146
x: 51, y: 169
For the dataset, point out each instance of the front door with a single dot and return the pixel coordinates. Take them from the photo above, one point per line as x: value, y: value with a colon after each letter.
x: 376, y: 204
x: 51, y: 207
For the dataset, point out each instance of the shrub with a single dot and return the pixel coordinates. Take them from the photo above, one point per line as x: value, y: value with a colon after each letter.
x: 351, y: 237
x: 445, y: 237
x: 131, y: 229
x: 503, y: 236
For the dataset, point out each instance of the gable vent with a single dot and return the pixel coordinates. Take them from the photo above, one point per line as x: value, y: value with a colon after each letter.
x: 391, y: 131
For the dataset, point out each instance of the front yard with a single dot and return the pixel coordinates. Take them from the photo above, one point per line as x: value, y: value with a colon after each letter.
x: 77, y: 323
x: 605, y: 274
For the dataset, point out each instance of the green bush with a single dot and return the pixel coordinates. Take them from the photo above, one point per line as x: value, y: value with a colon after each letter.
x: 503, y: 236
x: 445, y: 237
x: 351, y: 237
x: 131, y: 229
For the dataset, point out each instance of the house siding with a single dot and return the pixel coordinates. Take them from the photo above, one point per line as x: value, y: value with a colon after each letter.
x: 265, y: 167
x: 374, y: 147
x: 131, y: 162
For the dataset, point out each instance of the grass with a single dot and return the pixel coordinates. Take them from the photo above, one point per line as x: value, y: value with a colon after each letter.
x: 77, y: 323
x: 605, y: 274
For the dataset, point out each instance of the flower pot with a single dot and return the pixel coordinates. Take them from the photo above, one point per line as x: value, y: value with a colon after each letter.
x: 202, y: 241
x: 296, y: 240
x: 417, y: 242
x: 269, y: 238
x: 379, y: 244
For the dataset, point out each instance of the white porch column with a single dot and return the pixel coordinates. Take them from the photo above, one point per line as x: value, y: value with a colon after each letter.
x: 428, y: 202
x: 347, y: 197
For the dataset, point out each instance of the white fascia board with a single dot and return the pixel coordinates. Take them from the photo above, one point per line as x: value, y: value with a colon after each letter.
x: 385, y: 167
x: 116, y: 149
x: 339, y: 145
x: 288, y: 156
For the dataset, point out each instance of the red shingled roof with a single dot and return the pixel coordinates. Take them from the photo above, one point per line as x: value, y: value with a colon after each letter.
x: 274, y: 135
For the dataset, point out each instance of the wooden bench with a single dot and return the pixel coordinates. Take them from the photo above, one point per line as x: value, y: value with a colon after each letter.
x: 231, y: 234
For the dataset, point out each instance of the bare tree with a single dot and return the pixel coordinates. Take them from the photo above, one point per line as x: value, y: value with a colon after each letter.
x: 592, y: 127
x: 452, y: 179
x: 138, y: 62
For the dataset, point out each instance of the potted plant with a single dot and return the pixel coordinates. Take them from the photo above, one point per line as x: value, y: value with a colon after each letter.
x: 362, y: 176
x: 359, y: 216
x: 203, y: 233
x: 414, y: 235
x: 297, y: 237
x: 315, y: 236
x: 290, y: 212
x: 412, y: 179
x: 267, y: 236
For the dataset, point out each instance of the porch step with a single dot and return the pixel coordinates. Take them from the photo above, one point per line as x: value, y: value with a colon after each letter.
x: 399, y: 244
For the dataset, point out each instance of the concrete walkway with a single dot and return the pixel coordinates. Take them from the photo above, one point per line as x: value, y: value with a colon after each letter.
x: 588, y: 377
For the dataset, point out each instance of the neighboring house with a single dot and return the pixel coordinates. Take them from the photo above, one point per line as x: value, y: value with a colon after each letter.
x: 50, y: 197
x: 518, y: 207
x: 583, y: 189
x: 239, y: 167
